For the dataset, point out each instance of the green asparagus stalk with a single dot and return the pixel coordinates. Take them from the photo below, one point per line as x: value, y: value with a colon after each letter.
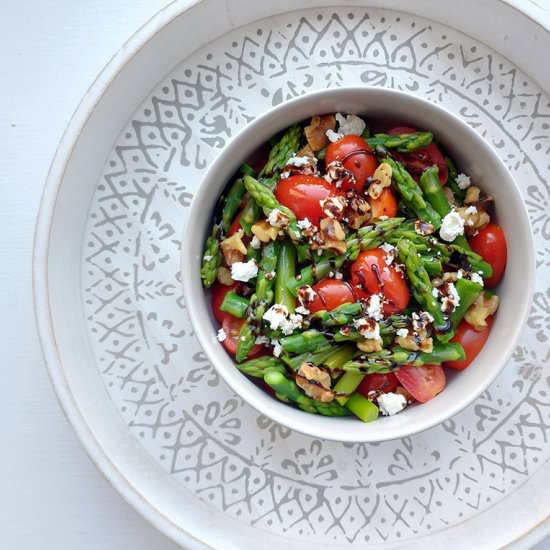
x: 249, y: 216
x: 451, y: 181
x: 303, y: 253
x: 476, y: 262
x: 317, y: 357
x: 341, y: 315
x: 309, y: 340
x: 433, y: 266
x: 339, y: 357
x: 421, y: 284
x: 468, y: 291
x: 402, y: 143
x: 257, y: 368
x: 289, y: 390
x: 411, y: 194
x: 283, y: 150
x: 346, y: 385
x: 361, y: 407
x: 232, y: 203
x: 212, y: 258
x: 234, y: 304
x: 286, y: 269
x: 312, y: 273
x: 247, y: 170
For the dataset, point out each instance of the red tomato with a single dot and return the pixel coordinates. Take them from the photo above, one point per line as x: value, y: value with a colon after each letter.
x: 361, y: 164
x: 378, y: 382
x: 422, y: 383
x: 490, y: 244
x: 232, y: 326
x: 471, y: 340
x: 302, y: 195
x: 371, y: 274
x: 417, y: 161
x: 218, y: 294
x: 331, y: 293
x: 384, y: 205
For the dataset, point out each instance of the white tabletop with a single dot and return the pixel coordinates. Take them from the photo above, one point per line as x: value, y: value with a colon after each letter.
x: 51, y: 494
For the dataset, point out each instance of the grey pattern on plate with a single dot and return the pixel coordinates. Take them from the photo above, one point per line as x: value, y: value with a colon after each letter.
x: 169, y: 395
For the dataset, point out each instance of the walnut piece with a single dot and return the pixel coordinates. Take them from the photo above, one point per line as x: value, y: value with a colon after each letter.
x: 330, y: 237
x: 474, y: 219
x: 335, y: 173
x: 315, y: 382
x: 380, y: 180
x: 224, y: 276
x: 358, y: 210
x: 265, y: 231
x: 449, y: 196
x: 316, y: 131
x: 482, y: 308
x: 233, y: 248
x: 472, y: 195
x: 333, y: 206
x: 370, y: 346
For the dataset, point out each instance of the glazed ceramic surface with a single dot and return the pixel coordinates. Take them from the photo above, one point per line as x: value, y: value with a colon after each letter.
x: 153, y: 413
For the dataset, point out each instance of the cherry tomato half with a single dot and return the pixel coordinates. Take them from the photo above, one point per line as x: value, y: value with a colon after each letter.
x: 471, y: 340
x: 417, y: 161
x: 378, y: 382
x: 370, y: 274
x: 361, y: 165
x: 384, y: 205
x: 331, y: 293
x: 302, y: 195
x: 218, y: 294
x: 490, y: 244
x: 423, y: 383
x: 232, y: 326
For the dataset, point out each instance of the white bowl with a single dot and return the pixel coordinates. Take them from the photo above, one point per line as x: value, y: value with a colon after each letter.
x: 474, y: 157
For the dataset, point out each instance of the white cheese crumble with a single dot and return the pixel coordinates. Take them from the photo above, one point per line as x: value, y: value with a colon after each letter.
x: 261, y: 339
x: 390, y: 251
x: 403, y: 332
x: 476, y: 278
x: 435, y: 292
x: 277, y: 348
x: 367, y: 328
x: 463, y: 181
x: 207, y: 258
x: 338, y: 275
x: 333, y: 136
x: 221, y: 335
x: 452, y: 226
x: 298, y: 162
x: 302, y: 310
x: 391, y: 403
x: 304, y: 224
x: 255, y: 243
x: 374, y: 307
x: 293, y: 322
x: 451, y: 299
x: 350, y: 124
x: 276, y: 315
x: 277, y: 219
x: 244, y: 271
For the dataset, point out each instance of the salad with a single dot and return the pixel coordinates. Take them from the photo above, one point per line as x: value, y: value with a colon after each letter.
x: 350, y: 266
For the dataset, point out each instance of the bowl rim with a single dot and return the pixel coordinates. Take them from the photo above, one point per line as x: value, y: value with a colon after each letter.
x: 264, y: 403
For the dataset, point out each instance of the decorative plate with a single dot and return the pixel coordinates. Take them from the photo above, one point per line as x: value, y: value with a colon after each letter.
x: 193, y: 457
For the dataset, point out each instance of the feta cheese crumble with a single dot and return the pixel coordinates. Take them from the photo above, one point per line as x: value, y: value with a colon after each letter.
x: 374, y: 307
x: 476, y: 278
x: 298, y: 162
x: 244, y: 271
x: 304, y: 224
x: 367, y: 328
x: 276, y: 315
x: 391, y: 403
x: 255, y: 243
x: 333, y: 136
x: 277, y: 348
x: 452, y: 226
x: 403, y: 332
x: 302, y: 310
x: 390, y: 251
x: 277, y: 219
x: 261, y: 339
x: 463, y: 181
x: 350, y: 124
x: 207, y: 258
x: 221, y: 335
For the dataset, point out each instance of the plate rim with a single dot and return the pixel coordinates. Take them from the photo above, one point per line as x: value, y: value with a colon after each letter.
x: 40, y: 284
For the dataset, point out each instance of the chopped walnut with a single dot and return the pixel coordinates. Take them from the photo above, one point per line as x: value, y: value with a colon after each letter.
x: 482, y: 308
x: 224, y: 276
x: 334, y: 206
x: 450, y: 299
x: 330, y: 237
x: 306, y: 151
x: 315, y: 132
x: 358, y: 210
x: 472, y: 195
x: 335, y: 173
x: 234, y: 250
x: 265, y: 231
x: 380, y: 180
x: 474, y: 219
x: 447, y: 277
x: 315, y: 382
x: 370, y: 346
x: 301, y: 164
x: 449, y: 196
x: 423, y: 228
x: 419, y: 341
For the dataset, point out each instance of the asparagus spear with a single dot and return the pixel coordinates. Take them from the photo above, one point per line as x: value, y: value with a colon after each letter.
x: 232, y: 202
x: 249, y: 216
x: 468, y: 291
x: 289, y: 390
x: 247, y: 170
x: 266, y: 199
x: 312, y: 273
x: 257, y: 368
x: 262, y: 297
x: 387, y: 360
x: 309, y: 340
x: 339, y: 357
x: 361, y: 407
x: 283, y: 150
x: 341, y: 315
x: 402, y: 143
x: 317, y: 358
x: 451, y: 181
x: 286, y: 269
x: 421, y: 284
x: 212, y: 257
x: 234, y: 304
x: 411, y: 194
x: 475, y: 260
x: 346, y: 385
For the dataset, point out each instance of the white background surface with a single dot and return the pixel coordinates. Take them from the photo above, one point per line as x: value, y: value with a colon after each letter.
x: 51, y: 495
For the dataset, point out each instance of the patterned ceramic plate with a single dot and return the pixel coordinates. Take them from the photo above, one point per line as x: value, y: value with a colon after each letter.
x: 193, y: 457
